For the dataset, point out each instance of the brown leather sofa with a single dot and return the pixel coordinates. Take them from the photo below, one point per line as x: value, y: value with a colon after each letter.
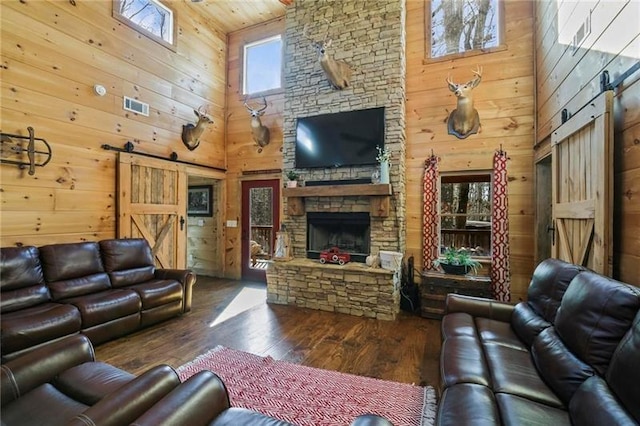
x: 568, y: 355
x: 102, y: 289
x: 61, y: 383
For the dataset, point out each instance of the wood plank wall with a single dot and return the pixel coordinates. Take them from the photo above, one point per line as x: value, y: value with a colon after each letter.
x: 505, y: 102
x: 567, y: 79
x: 53, y: 52
x: 245, y: 159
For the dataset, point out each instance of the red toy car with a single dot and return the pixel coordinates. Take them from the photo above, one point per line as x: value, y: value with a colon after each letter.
x: 334, y: 255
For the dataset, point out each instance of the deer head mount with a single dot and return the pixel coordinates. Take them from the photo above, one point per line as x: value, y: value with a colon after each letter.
x: 338, y: 72
x: 191, y: 132
x: 260, y: 133
x: 464, y: 120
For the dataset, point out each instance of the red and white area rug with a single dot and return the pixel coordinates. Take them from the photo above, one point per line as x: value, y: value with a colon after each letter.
x: 312, y: 396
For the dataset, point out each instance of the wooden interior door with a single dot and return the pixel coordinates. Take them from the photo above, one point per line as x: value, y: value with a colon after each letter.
x: 260, y: 221
x: 152, y: 205
x: 582, y: 187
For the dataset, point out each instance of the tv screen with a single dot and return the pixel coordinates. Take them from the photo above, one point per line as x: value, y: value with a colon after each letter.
x: 339, y: 139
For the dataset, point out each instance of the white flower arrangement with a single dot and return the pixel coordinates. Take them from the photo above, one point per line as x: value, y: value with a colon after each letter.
x: 384, y: 155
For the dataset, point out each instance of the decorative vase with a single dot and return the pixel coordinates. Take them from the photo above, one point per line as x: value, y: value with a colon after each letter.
x: 384, y: 172
x: 454, y: 269
x: 292, y: 184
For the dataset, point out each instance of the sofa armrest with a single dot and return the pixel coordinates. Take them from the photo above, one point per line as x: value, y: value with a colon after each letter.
x: 197, y: 401
x: 479, y: 307
x: 130, y: 401
x: 28, y: 371
x: 185, y: 277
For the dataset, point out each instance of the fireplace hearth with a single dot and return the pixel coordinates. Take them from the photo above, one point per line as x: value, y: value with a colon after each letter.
x: 350, y: 232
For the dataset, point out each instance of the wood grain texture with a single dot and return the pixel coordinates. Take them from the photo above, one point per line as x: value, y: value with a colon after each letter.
x: 505, y: 102
x: 569, y: 80
x: 405, y: 350
x: 48, y: 74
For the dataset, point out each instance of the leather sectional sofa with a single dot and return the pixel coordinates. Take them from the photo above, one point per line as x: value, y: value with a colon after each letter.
x: 101, y: 289
x: 568, y: 355
x: 61, y: 383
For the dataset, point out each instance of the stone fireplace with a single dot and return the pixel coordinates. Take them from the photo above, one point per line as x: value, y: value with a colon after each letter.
x: 369, y: 36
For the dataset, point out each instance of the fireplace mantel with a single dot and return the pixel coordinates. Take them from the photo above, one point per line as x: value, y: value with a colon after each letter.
x: 379, y: 193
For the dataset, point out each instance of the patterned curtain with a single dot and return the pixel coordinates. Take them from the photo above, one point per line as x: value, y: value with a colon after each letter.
x: 430, y: 217
x: 500, y: 271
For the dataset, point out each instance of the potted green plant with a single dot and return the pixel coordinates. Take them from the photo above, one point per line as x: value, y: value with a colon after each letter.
x: 457, y: 261
x: 293, y: 179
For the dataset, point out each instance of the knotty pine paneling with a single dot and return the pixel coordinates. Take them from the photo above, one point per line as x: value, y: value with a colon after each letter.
x: 568, y: 79
x: 505, y: 102
x: 243, y: 154
x: 53, y: 52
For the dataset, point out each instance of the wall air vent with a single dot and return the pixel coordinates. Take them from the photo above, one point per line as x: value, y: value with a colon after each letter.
x: 138, y: 107
x: 580, y: 35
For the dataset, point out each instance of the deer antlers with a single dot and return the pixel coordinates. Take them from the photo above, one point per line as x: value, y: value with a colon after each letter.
x: 259, y: 132
x: 255, y: 112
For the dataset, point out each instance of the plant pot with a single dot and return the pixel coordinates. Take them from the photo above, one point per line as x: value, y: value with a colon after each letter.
x: 455, y: 269
x: 292, y: 184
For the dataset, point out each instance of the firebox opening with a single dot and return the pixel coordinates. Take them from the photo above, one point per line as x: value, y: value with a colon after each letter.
x: 350, y: 232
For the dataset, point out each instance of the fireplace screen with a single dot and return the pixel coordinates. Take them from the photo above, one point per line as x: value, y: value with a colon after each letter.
x: 350, y: 232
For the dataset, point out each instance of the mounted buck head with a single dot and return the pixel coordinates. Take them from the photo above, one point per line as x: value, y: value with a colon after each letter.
x: 260, y: 133
x: 191, y: 132
x: 464, y: 120
x: 338, y: 72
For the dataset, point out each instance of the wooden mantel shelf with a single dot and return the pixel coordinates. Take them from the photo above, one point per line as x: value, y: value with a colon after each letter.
x: 379, y: 193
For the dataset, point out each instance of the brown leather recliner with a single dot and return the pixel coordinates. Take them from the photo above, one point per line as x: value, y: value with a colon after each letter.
x: 569, y: 355
x: 104, y: 290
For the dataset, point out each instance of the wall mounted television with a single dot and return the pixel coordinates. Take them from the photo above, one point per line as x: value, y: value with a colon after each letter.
x: 339, y: 139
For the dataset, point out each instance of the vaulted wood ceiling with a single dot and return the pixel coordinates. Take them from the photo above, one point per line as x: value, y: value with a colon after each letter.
x: 233, y: 15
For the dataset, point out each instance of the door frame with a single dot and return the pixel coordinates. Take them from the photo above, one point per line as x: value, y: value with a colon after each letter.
x: 246, y: 185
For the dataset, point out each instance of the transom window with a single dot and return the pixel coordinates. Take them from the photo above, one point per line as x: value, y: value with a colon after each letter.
x: 465, y: 212
x: 262, y: 66
x: 459, y: 26
x: 149, y: 17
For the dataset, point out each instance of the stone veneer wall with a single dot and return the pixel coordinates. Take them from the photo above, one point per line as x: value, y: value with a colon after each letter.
x: 353, y: 289
x: 369, y: 36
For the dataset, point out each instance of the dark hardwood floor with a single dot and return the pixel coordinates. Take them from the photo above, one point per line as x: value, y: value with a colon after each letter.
x: 405, y: 350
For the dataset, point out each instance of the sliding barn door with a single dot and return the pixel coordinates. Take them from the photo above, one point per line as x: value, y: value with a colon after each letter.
x: 582, y: 187
x: 152, y: 205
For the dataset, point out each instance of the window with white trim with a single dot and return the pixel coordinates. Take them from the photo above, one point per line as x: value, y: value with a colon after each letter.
x: 262, y: 66
x: 459, y: 26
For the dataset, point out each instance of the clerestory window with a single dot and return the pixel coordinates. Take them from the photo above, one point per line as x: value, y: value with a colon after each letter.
x: 151, y: 18
x: 262, y: 66
x: 456, y: 27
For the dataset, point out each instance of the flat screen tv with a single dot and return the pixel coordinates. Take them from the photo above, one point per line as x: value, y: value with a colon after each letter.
x: 339, y: 139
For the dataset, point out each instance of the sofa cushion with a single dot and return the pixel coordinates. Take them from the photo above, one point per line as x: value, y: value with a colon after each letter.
x: 462, y: 361
x: 548, y: 284
x: 33, y: 326
x: 559, y: 368
x: 100, y: 308
x: 594, y: 315
x: 526, y: 323
x: 467, y: 404
x: 595, y: 404
x: 623, y: 375
x: 158, y: 292
x: 73, y: 270
x: 458, y: 324
x: 498, y: 332
x: 44, y: 405
x: 513, y: 372
x: 128, y: 261
x: 88, y: 383
x: 22, y: 280
x: 515, y: 410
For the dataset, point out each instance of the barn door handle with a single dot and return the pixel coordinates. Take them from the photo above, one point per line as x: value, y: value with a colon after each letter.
x: 553, y: 235
x: 181, y: 223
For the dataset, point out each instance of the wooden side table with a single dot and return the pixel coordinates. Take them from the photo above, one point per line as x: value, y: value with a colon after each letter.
x: 436, y: 285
